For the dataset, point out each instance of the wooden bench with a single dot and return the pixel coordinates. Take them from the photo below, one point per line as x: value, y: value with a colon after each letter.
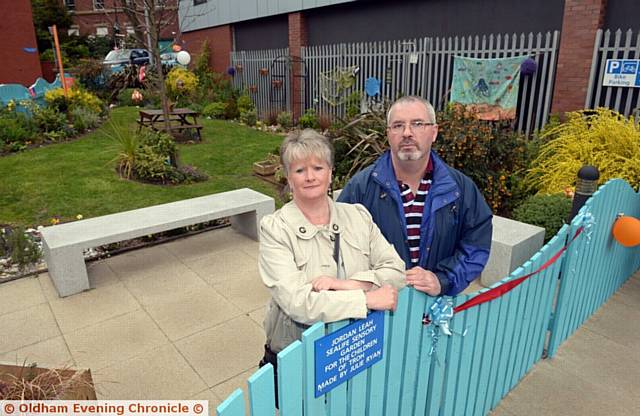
x: 63, y: 244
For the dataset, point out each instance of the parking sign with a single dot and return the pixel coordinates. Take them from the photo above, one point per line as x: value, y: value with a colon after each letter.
x: 622, y: 73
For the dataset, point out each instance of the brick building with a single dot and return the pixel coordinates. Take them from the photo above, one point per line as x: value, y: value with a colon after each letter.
x: 255, y: 25
x: 100, y: 17
x: 19, y: 52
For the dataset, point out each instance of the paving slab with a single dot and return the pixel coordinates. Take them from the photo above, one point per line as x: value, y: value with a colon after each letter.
x: 224, y: 351
x: 117, y: 339
x: 52, y: 353
x: 192, y: 312
x: 220, y: 266
x: 27, y: 326
x: 92, y: 307
x: 20, y: 294
x: 159, y: 374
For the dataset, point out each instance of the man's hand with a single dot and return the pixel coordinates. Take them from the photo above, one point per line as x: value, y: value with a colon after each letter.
x: 424, y: 281
x: 382, y: 299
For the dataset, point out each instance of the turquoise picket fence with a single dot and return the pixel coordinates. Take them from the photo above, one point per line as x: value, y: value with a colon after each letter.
x: 596, y: 266
x: 492, y: 346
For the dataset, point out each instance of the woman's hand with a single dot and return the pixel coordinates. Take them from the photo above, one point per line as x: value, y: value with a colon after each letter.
x: 331, y: 283
x: 324, y: 283
x: 382, y: 299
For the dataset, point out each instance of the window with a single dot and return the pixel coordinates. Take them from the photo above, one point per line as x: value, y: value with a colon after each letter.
x: 98, y: 4
x: 102, y: 31
x: 74, y: 31
x: 71, y: 4
x: 197, y: 2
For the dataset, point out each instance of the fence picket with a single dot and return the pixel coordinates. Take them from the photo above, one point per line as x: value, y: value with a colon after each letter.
x: 233, y: 405
x: 290, y: 379
x: 260, y: 386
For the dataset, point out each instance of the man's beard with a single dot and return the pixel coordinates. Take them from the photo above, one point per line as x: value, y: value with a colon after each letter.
x: 407, y: 155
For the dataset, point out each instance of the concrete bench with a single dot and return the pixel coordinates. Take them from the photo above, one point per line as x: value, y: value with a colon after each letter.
x: 63, y: 244
x: 512, y: 244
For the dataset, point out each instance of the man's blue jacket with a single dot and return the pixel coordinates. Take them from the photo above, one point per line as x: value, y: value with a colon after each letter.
x: 455, y: 235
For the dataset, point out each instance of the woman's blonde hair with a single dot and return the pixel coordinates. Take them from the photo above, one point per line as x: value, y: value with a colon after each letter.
x: 302, y: 144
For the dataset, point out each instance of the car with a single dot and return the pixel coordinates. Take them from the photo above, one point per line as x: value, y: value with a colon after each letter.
x: 118, y: 59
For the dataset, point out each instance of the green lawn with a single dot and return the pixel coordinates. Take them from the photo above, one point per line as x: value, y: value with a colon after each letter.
x: 79, y: 177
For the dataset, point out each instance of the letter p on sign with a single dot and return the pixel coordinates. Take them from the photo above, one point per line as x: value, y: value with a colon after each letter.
x: 614, y: 67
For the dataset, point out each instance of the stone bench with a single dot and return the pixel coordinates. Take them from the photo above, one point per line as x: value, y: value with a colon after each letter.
x: 512, y: 244
x: 63, y: 244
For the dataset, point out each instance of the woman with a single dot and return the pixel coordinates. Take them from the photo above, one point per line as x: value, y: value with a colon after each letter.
x: 321, y: 260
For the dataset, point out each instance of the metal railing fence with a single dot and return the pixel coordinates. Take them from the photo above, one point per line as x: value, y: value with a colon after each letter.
x: 613, y: 45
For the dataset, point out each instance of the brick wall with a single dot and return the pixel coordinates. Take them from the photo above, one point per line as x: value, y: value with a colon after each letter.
x: 87, y: 19
x: 18, y: 66
x: 220, y: 43
x: 298, y: 37
x: 582, y: 18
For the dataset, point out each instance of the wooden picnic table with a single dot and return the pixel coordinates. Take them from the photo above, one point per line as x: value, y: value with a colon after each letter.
x: 179, y: 119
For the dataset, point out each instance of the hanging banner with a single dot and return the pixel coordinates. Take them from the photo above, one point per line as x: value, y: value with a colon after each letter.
x: 487, y: 86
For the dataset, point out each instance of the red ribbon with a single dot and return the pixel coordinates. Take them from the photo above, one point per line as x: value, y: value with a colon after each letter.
x: 506, y: 287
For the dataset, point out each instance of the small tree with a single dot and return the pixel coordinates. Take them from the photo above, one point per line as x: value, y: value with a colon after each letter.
x: 148, y: 17
x: 47, y: 13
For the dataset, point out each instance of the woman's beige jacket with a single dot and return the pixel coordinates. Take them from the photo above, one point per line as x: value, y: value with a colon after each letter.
x: 293, y: 252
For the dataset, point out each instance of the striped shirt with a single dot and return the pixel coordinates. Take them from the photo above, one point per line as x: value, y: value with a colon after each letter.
x: 413, y: 210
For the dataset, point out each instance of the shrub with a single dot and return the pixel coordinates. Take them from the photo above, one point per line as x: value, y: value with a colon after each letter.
x: 352, y: 104
x: 84, y: 119
x: 20, y: 246
x: 13, y: 135
x: 231, y: 110
x: 546, y: 211
x: 249, y: 117
x: 602, y: 138
x: 309, y: 120
x: 214, y: 110
x: 245, y: 103
x: 181, y: 83
x: 76, y: 97
x: 126, y: 159
x: 285, y: 119
x: 49, y: 119
x: 192, y: 174
x: 489, y: 152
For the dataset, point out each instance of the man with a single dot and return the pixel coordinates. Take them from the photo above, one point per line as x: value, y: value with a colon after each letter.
x: 434, y: 215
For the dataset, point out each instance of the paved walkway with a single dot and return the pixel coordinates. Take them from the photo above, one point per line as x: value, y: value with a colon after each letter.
x: 183, y: 320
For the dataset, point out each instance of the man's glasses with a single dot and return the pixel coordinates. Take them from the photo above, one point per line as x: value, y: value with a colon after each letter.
x: 418, y: 125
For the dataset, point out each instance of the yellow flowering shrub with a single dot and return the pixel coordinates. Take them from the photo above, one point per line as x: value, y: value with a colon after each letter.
x: 76, y: 98
x: 602, y: 138
x: 181, y: 82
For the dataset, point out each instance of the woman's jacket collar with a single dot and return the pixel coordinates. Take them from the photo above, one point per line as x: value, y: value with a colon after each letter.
x: 295, y: 219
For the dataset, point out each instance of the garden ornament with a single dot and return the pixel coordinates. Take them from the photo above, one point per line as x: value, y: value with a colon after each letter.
x: 586, y: 185
x: 626, y: 230
x: 372, y: 86
x: 183, y: 58
x: 528, y: 67
x: 136, y: 96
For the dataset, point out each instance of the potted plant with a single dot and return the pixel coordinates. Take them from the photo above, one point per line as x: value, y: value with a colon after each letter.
x: 268, y: 166
x: 35, y: 383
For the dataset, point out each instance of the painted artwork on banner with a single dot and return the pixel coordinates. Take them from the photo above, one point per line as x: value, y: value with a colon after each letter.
x: 344, y: 353
x: 487, y: 86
